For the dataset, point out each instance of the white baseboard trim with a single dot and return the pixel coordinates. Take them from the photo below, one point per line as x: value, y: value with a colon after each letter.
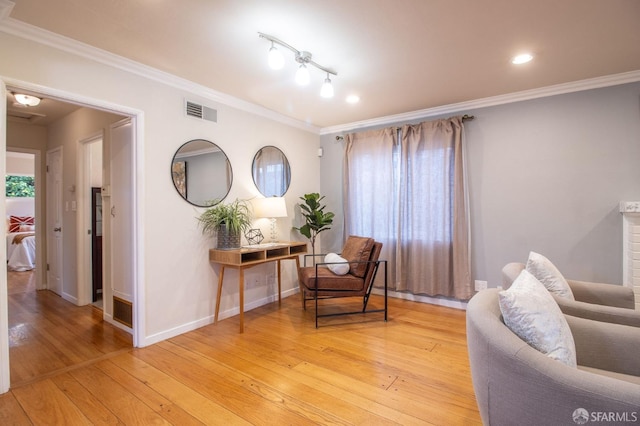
x: 109, y: 318
x: 70, y: 298
x: 176, y: 331
x: 449, y: 303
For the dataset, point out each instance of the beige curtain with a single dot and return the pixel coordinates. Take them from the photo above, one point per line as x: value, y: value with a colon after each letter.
x: 370, y: 190
x: 414, y: 200
x: 434, y: 231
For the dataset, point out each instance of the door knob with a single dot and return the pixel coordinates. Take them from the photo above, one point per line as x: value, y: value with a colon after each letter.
x: 57, y: 229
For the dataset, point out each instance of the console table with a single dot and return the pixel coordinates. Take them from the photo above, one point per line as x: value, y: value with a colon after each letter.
x: 249, y: 256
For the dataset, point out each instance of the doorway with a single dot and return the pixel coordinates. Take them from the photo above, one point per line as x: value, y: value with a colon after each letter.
x: 71, y: 205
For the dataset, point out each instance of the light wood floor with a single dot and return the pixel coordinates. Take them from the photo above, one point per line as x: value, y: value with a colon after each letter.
x: 411, y: 370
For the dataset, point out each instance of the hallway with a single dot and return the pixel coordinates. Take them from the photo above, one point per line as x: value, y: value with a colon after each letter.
x: 48, y: 335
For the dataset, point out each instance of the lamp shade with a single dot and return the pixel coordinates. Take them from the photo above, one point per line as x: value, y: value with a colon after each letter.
x: 270, y: 207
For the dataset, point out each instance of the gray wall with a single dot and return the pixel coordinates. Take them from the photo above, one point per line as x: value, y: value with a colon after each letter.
x: 544, y: 175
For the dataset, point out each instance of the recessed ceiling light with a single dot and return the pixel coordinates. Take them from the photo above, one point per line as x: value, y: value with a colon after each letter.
x: 521, y: 59
x: 353, y: 99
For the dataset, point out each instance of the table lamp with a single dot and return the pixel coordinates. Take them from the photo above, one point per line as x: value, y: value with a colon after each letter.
x: 271, y: 208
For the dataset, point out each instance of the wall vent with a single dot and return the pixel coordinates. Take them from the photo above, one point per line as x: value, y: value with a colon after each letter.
x: 123, y: 311
x: 193, y: 109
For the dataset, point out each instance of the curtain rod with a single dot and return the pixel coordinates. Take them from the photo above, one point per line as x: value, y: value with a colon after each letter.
x: 465, y: 117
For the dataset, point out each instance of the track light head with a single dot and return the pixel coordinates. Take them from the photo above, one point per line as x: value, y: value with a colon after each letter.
x: 302, y: 75
x: 327, y: 88
x: 276, y: 60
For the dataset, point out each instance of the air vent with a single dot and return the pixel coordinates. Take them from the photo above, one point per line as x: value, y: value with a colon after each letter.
x: 123, y: 311
x: 195, y: 110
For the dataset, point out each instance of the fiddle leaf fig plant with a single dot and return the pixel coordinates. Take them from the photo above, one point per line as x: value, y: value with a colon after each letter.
x: 316, y: 219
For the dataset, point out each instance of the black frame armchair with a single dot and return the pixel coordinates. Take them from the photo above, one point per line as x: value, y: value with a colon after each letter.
x: 319, y: 282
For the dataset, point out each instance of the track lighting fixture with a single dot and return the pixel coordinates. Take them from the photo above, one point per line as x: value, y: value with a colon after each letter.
x: 302, y: 77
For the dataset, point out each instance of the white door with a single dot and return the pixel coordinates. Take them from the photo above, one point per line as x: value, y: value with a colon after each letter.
x: 54, y: 220
x: 121, y: 210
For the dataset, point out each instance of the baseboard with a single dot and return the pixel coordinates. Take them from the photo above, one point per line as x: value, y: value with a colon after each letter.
x: 184, y: 328
x: 449, y: 303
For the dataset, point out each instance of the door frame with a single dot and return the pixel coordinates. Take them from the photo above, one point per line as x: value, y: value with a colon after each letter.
x: 137, y: 120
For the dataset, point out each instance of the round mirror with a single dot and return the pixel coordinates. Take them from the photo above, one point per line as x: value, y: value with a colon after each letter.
x: 271, y: 172
x: 201, y: 173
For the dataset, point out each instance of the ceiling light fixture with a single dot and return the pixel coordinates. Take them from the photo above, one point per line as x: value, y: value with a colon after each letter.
x: 26, y: 100
x: 276, y: 60
x: 521, y: 59
x: 327, y: 88
x: 304, y: 59
x: 353, y: 99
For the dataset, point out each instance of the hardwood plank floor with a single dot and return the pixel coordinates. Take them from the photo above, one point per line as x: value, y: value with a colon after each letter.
x: 48, y: 334
x: 352, y: 370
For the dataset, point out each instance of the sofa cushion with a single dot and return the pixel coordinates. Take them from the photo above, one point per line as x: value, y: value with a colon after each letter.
x: 530, y: 311
x: 357, y: 249
x: 546, y: 272
x: 334, y: 264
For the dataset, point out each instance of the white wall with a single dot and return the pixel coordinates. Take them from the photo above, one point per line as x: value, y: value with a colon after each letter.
x: 544, y: 175
x: 20, y: 164
x: 179, y: 282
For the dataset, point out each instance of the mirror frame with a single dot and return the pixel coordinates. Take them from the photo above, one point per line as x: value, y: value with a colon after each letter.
x: 173, y: 179
x: 286, y: 164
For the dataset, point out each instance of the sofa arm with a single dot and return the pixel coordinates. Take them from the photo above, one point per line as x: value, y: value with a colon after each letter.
x: 606, y: 346
x: 608, y: 314
x: 603, y: 294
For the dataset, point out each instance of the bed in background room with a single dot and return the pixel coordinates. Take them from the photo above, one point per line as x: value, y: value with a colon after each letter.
x: 21, y: 243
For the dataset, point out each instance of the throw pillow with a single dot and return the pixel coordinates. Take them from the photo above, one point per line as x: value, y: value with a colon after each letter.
x: 336, y: 268
x: 548, y: 275
x: 16, y: 221
x: 531, y: 313
x: 357, y: 249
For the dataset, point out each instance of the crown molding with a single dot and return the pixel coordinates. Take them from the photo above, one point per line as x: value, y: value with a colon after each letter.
x: 6, y: 7
x: 66, y: 44
x: 558, y: 89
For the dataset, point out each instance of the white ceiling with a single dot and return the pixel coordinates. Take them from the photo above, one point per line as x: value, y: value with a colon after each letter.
x: 397, y: 55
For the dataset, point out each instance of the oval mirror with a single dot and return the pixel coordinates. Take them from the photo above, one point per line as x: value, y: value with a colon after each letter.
x: 201, y: 173
x: 271, y: 172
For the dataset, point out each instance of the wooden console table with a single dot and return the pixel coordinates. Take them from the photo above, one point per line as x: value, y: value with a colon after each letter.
x: 249, y: 256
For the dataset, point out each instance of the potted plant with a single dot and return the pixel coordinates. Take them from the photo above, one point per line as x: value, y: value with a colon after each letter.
x: 317, y: 220
x: 227, y: 222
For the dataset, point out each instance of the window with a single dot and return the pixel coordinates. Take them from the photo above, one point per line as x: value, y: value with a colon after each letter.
x: 20, y: 186
x: 405, y: 188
